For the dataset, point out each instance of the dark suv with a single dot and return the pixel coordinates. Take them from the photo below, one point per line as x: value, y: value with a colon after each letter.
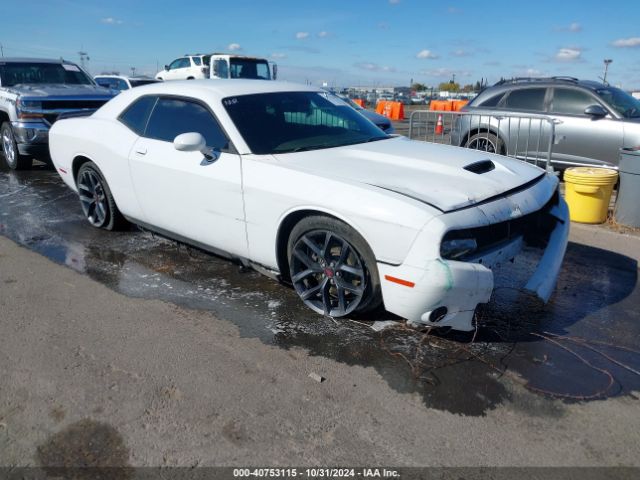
x: 592, y: 120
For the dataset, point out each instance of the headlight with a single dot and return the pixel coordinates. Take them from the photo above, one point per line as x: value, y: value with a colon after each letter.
x: 29, y: 109
x: 459, y: 247
x: 30, y: 105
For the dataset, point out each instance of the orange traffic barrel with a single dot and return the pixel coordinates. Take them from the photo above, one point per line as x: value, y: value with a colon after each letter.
x: 397, y: 111
x: 458, y: 104
x: 442, y: 105
x: 359, y: 101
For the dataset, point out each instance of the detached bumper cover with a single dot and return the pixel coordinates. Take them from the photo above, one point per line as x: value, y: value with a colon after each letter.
x: 461, y: 285
x: 543, y: 281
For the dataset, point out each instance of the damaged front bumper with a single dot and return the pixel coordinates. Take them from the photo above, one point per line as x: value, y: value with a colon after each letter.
x: 437, y: 291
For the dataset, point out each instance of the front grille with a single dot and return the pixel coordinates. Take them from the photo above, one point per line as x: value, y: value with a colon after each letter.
x: 534, y: 227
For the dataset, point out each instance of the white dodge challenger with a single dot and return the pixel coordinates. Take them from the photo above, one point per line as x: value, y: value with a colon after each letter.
x: 300, y: 186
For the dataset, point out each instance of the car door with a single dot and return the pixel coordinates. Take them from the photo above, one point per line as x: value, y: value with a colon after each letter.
x: 176, y: 68
x: 583, y: 139
x: 526, y: 136
x: 183, y: 193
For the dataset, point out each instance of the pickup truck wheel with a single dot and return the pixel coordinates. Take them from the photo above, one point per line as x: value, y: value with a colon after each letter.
x: 332, y: 268
x: 96, y: 199
x: 12, y: 156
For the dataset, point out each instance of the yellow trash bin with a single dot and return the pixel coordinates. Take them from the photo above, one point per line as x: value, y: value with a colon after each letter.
x: 588, y: 192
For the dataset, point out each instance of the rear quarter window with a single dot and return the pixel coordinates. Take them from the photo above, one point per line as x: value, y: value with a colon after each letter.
x: 530, y: 99
x: 492, y: 101
x: 136, y: 115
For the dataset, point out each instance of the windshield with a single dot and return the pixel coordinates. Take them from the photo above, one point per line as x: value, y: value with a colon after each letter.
x: 620, y: 101
x: 249, y: 68
x: 16, y: 73
x: 287, y: 122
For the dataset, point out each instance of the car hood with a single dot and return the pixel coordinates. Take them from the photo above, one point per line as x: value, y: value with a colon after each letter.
x: 430, y: 173
x: 61, y: 90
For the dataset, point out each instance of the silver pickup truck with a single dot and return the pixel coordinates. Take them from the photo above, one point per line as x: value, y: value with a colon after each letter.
x: 33, y: 94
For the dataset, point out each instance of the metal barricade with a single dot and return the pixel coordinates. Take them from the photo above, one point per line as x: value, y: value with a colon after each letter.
x: 526, y: 137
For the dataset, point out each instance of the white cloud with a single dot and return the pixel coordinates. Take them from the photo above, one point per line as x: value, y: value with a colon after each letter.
x: 374, y: 67
x: 568, y: 54
x: 445, y: 73
x: 426, y: 54
x: 302, y: 35
x: 460, y: 53
x: 234, y: 46
x: 574, y: 27
x: 631, y: 42
x: 278, y: 56
x: 111, y: 21
x: 323, y: 34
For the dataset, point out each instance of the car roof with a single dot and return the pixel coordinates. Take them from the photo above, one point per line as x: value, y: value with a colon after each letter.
x: 225, y: 88
x: 549, y: 81
x: 207, y: 89
x: 125, y: 77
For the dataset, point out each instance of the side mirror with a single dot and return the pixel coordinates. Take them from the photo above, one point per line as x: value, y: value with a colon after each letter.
x: 596, y: 111
x: 275, y: 71
x: 195, y: 142
x: 166, y: 67
x: 190, y: 142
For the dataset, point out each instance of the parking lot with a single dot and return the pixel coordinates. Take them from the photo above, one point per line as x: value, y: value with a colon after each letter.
x: 136, y: 337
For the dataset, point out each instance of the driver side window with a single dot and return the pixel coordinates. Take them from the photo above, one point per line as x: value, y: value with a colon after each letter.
x: 176, y: 64
x: 571, y: 102
x: 174, y: 116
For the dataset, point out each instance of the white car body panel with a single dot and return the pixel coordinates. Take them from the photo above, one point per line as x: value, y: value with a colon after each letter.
x: 178, y: 192
x: 402, y: 196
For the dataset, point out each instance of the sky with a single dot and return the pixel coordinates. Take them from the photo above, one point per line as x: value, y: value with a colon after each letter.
x: 341, y: 42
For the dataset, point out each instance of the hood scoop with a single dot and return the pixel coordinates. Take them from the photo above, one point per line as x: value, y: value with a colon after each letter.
x: 483, y: 166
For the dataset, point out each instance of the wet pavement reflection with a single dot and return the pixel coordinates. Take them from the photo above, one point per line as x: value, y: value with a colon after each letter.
x: 515, y: 356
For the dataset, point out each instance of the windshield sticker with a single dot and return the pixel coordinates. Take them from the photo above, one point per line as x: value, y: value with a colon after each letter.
x: 70, y: 68
x: 229, y: 101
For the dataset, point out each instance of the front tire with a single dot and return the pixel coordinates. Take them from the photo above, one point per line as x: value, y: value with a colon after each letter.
x: 487, y: 142
x: 332, y: 268
x: 12, y: 156
x: 97, y: 202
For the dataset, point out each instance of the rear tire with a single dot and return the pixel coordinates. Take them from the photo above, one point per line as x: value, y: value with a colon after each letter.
x: 96, y: 199
x: 12, y: 156
x: 486, y: 142
x: 332, y: 267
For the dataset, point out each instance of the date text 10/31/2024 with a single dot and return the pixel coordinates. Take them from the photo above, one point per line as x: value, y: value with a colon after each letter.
x: 316, y: 472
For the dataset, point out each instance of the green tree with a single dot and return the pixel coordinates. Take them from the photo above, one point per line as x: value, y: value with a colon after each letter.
x: 418, y: 87
x: 449, y: 87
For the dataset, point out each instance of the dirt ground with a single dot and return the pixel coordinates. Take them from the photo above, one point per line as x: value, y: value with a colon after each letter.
x: 157, y: 384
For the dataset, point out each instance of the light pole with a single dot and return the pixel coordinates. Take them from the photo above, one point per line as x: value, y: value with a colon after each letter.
x: 83, y: 57
x: 607, y: 61
x: 133, y: 71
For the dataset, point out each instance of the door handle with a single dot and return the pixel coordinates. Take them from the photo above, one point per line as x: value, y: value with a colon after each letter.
x: 141, y: 151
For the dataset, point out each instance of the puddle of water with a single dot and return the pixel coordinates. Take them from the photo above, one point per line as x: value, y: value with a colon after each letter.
x: 596, y: 298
